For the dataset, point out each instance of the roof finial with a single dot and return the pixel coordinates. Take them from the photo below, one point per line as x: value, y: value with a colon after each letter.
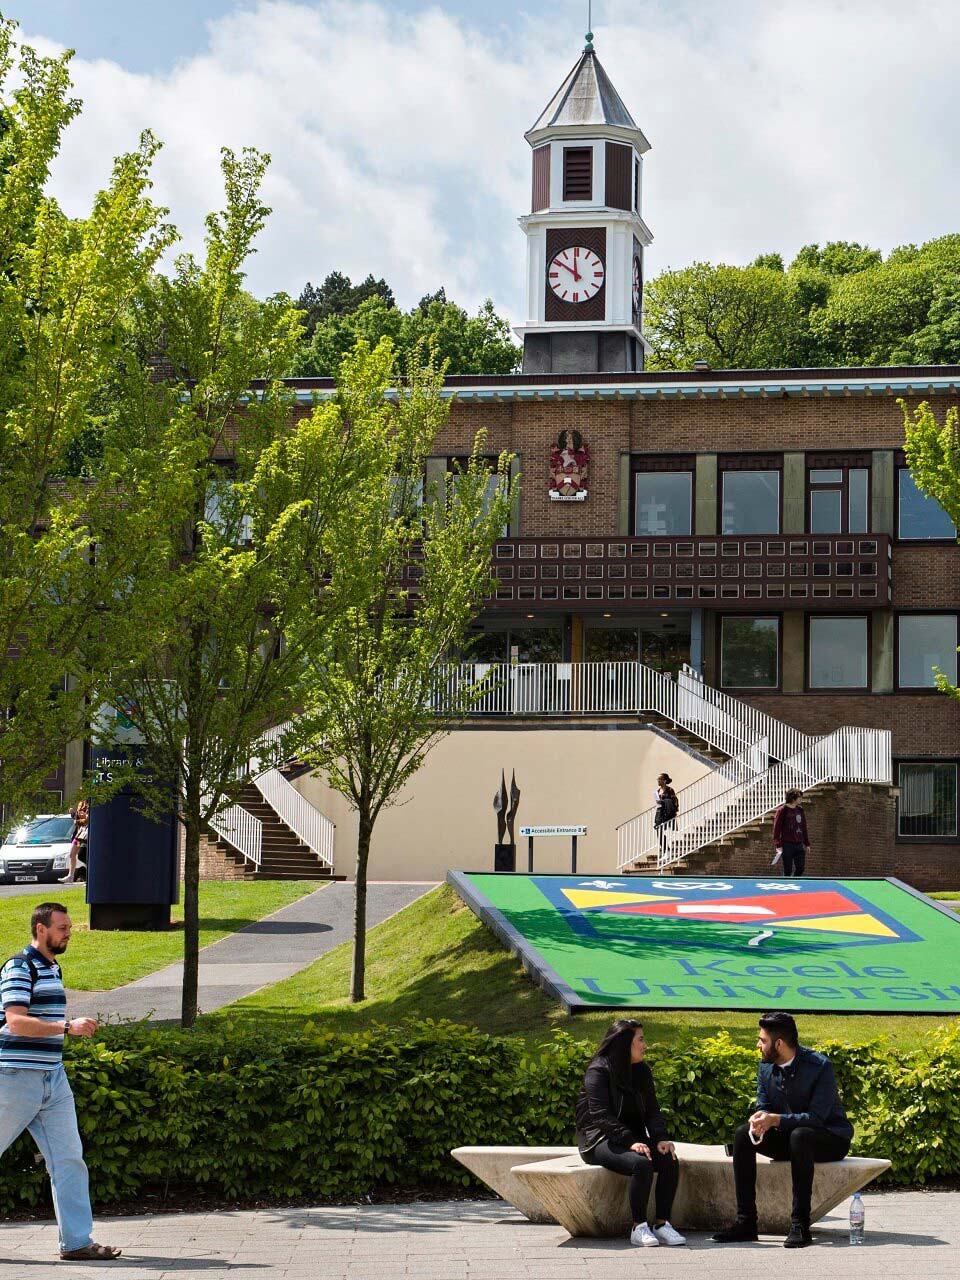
x: 588, y: 47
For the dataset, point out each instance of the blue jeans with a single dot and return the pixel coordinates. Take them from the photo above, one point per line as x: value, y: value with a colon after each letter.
x: 42, y: 1102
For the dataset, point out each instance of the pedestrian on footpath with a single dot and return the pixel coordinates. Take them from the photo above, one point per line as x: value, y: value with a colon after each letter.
x: 790, y: 838
x: 668, y: 806
x: 34, y: 1091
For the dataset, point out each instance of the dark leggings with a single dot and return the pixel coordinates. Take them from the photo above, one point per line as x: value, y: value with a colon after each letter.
x: 640, y: 1171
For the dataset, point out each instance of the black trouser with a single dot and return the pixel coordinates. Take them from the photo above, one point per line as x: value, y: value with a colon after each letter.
x: 794, y: 859
x: 640, y: 1171
x: 803, y: 1147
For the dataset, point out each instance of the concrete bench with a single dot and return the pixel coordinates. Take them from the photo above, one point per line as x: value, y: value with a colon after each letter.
x: 590, y: 1201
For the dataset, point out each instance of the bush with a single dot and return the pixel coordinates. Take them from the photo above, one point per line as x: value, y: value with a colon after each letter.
x: 229, y: 1113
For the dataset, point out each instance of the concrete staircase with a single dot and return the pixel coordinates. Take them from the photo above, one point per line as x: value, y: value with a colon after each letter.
x: 284, y: 855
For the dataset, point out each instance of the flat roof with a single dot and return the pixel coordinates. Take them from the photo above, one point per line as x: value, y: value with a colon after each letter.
x: 685, y: 384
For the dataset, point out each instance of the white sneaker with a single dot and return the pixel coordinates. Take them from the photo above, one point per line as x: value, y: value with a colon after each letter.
x: 643, y: 1235
x: 669, y: 1235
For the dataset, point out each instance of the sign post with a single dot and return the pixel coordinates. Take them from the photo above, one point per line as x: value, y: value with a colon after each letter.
x: 572, y: 831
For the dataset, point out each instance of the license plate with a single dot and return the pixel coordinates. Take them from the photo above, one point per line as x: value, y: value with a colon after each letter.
x: 25, y: 879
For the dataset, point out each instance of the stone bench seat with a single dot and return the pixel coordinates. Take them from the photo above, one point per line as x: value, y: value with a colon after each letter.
x: 590, y: 1201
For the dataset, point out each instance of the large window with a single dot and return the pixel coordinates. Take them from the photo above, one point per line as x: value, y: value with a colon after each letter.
x: 838, y: 499
x: 662, y: 503
x: 750, y: 653
x: 925, y: 641
x: 838, y: 653
x: 919, y: 516
x: 456, y: 466
x: 751, y: 502
x: 928, y: 800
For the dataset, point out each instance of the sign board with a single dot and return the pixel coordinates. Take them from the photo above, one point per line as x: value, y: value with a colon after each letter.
x: 553, y: 831
x: 722, y: 942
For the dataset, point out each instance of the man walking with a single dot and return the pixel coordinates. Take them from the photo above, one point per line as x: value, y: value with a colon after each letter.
x: 34, y: 1091
x: 799, y: 1117
x: 790, y: 838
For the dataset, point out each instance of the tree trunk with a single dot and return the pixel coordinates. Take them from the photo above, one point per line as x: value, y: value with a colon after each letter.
x: 357, y: 993
x: 191, y: 905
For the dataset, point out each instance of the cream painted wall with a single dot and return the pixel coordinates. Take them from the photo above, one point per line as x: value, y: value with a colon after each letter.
x: 445, y: 819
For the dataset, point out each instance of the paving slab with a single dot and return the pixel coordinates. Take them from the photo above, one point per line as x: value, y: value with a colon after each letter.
x: 913, y: 1234
x: 264, y: 952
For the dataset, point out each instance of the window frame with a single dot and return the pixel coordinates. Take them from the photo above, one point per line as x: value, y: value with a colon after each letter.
x: 808, y: 685
x: 919, y: 689
x: 454, y: 460
x: 759, y: 690
x: 673, y: 464
x: 844, y: 464
x: 926, y: 839
x: 749, y: 462
x: 901, y: 466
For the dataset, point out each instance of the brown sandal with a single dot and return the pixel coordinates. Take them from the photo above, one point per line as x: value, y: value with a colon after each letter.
x: 92, y: 1253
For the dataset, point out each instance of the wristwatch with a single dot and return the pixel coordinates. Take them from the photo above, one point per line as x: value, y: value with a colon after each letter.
x: 66, y: 1026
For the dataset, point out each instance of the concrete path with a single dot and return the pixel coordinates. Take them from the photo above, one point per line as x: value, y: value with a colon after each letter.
x: 264, y: 952
x: 911, y: 1234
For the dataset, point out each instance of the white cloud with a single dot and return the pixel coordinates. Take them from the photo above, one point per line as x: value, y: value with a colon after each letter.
x: 397, y: 138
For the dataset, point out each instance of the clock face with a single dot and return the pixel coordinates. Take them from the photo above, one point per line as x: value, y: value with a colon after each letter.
x: 575, y: 274
x: 637, y: 286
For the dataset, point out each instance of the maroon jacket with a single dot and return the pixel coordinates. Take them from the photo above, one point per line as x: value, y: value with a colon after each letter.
x: 790, y: 827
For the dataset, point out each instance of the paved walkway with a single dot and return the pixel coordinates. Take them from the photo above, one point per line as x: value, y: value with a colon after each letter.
x: 909, y: 1234
x: 264, y: 952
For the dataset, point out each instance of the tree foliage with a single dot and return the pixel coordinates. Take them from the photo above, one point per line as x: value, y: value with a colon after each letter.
x: 841, y: 304
x: 73, y: 477
x: 464, y: 343
x: 370, y: 688
x: 338, y: 296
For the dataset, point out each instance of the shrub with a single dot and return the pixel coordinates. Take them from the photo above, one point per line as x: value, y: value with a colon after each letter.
x: 234, y: 1113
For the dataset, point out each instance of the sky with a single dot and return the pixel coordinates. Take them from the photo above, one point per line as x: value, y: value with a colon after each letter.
x: 396, y: 126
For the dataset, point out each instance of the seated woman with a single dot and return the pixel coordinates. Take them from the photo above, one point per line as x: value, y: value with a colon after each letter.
x: 620, y: 1126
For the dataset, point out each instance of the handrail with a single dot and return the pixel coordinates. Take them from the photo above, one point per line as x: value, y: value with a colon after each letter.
x: 785, y: 742
x: 242, y: 830
x: 845, y: 755
x: 305, y: 821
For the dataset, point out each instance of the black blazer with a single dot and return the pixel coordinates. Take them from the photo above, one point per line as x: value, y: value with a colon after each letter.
x: 623, y: 1113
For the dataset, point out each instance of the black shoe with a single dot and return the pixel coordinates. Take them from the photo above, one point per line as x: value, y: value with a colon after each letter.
x: 741, y: 1230
x: 799, y: 1237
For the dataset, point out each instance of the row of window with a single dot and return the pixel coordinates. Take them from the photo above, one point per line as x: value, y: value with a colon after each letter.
x: 838, y: 651
x: 837, y: 501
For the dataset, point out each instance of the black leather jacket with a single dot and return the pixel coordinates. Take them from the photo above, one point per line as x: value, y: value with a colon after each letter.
x: 623, y: 1113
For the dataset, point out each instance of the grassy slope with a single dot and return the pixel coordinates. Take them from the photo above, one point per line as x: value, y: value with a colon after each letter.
x: 436, y: 960
x: 105, y: 959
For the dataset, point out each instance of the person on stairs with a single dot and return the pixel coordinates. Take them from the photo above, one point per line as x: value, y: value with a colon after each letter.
x: 620, y: 1126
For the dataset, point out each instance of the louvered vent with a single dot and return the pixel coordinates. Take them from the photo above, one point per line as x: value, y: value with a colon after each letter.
x: 578, y: 173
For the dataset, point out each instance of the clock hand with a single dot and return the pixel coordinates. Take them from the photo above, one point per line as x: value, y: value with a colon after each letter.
x: 572, y: 270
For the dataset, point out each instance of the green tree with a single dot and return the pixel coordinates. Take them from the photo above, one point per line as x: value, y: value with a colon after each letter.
x: 732, y: 317
x: 241, y: 593
x: 837, y: 258
x: 370, y: 690
x: 338, y: 296
x: 72, y: 477
x: 933, y: 456
x: 467, y: 344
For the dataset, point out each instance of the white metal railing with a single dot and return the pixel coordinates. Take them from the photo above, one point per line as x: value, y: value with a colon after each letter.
x: 308, y: 823
x: 845, y: 755
x: 241, y: 830
x: 785, y: 742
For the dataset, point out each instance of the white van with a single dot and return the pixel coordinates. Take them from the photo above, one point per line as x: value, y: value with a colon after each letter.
x: 38, y: 850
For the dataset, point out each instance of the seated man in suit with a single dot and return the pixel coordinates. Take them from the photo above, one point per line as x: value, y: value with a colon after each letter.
x: 799, y: 1117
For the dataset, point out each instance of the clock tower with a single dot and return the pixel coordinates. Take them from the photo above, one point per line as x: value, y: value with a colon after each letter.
x: 585, y: 235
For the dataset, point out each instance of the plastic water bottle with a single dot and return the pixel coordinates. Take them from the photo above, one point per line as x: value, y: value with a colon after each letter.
x: 857, y: 1216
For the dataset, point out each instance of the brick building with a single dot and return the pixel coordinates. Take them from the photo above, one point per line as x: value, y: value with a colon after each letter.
x: 758, y: 526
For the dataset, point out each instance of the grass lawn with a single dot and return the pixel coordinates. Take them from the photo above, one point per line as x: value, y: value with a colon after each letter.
x: 101, y: 960
x: 436, y: 960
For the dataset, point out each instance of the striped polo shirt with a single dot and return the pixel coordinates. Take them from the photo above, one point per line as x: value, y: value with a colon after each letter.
x: 47, y: 1000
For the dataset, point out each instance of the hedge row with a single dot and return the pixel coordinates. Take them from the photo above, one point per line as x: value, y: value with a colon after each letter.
x: 313, y: 1114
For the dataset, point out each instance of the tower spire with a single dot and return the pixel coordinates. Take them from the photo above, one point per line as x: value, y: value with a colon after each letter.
x: 588, y: 47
